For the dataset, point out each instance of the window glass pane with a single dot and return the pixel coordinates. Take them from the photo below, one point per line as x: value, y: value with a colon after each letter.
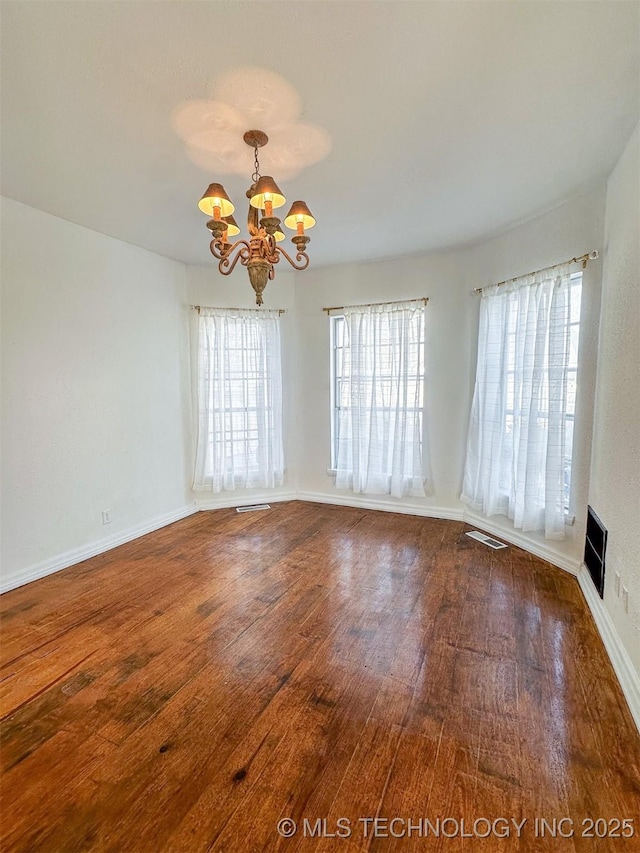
x: 576, y: 300
x: 509, y: 425
x: 568, y: 457
x: 571, y: 392
x: 343, y: 394
x: 338, y: 355
x: 574, y: 339
x: 510, y: 391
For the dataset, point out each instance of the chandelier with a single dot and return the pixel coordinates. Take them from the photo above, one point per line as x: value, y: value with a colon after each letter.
x: 259, y: 254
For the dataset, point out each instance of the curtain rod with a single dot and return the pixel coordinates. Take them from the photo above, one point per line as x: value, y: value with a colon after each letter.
x: 424, y: 299
x: 589, y: 256
x: 257, y: 310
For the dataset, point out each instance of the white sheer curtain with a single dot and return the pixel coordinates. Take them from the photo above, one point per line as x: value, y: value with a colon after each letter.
x: 516, y: 444
x: 239, y: 398
x: 379, y: 424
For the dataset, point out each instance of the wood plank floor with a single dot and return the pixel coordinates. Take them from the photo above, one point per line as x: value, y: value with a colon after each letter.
x: 187, y: 691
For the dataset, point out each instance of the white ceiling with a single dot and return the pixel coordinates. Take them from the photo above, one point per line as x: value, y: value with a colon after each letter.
x: 448, y: 121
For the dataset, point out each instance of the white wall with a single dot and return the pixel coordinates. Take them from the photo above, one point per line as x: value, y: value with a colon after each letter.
x: 615, y: 470
x: 95, y: 404
x: 205, y: 286
x: 448, y: 279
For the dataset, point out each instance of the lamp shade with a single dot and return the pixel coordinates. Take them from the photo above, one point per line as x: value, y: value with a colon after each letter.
x: 233, y: 229
x: 232, y: 226
x: 215, y: 196
x: 299, y: 213
x: 266, y: 190
x: 279, y: 236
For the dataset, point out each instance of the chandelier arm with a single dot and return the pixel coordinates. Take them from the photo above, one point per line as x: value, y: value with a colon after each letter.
x: 214, y: 248
x: 302, y: 257
x: 227, y: 266
x: 219, y: 251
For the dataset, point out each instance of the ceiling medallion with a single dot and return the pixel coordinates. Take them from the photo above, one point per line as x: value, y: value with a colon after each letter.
x: 260, y: 253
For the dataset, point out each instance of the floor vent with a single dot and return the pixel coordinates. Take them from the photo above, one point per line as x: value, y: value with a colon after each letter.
x: 486, y: 540
x: 252, y: 507
x: 595, y: 547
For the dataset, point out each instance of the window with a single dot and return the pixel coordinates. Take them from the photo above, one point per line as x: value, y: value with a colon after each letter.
x: 520, y: 445
x: 239, y: 443
x: 377, y: 399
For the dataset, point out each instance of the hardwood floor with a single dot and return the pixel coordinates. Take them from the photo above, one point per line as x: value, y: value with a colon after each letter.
x: 187, y: 691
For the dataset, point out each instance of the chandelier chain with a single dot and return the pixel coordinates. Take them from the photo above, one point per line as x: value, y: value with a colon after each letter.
x: 256, y: 174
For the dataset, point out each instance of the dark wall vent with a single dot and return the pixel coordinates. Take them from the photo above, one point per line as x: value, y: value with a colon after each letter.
x: 594, y: 550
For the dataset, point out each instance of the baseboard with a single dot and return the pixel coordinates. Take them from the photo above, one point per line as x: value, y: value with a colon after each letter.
x: 84, y: 552
x: 620, y: 660
x: 229, y: 500
x: 359, y: 502
x: 521, y: 540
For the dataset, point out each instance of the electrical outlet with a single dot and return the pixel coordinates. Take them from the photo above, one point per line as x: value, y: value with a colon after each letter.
x: 106, y: 516
x: 625, y: 599
x: 618, y: 584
